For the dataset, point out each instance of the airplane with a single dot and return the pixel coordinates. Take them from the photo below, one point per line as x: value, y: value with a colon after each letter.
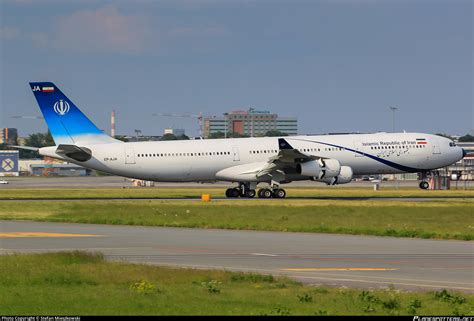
x: 330, y: 159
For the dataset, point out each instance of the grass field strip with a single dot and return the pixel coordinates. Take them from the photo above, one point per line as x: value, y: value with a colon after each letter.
x: 340, y: 269
x: 44, y: 234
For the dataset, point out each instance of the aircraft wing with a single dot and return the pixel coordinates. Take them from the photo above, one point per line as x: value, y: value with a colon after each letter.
x: 287, y: 156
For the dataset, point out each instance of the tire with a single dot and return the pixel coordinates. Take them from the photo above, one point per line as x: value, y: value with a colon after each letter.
x: 235, y: 192
x: 424, y: 185
x: 260, y: 193
x: 232, y: 192
x: 250, y: 193
x: 267, y: 193
x: 279, y: 193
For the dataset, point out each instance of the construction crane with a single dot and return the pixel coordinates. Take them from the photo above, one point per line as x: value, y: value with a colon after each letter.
x: 198, y: 117
x: 27, y: 117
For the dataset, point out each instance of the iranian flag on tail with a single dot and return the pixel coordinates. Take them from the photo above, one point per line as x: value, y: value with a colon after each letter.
x: 47, y: 89
x: 421, y: 141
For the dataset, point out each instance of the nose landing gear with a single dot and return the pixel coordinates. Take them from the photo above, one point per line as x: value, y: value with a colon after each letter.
x: 424, y: 185
x: 424, y: 176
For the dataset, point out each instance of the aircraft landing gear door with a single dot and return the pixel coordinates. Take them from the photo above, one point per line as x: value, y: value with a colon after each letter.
x: 358, y: 149
x: 129, y: 156
x: 235, y: 151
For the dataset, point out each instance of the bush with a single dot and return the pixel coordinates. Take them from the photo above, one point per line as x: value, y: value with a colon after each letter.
x: 414, y: 304
x: 368, y: 296
x: 143, y: 287
x: 445, y: 296
x: 305, y: 298
x: 212, y: 286
x: 280, y: 310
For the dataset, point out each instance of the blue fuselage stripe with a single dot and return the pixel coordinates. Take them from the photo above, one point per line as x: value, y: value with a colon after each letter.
x: 378, y: 159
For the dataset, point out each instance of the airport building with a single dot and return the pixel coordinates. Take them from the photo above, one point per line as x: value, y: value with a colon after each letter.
x: 464, y: 169
x: 174, y: 131
x: 8, y: 136
x: 66, y: 169
x: 249, y: 122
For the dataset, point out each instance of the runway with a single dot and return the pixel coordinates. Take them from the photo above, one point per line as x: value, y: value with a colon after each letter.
x: 335, y: 260
x: 239, y: 199
x: 121, y: 182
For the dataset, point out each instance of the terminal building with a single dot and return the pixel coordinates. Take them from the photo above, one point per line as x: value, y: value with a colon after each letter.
x: 249, y: 122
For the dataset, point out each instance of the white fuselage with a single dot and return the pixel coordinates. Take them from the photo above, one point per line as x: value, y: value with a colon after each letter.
x: 201, y: 160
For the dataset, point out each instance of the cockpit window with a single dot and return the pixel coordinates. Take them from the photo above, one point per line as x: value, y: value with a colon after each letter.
x: 452, y: 144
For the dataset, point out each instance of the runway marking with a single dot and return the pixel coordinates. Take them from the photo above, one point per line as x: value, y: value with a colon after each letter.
x: 339, y: 269
x: 382, y: 282
x: 43, y: 234
x: 263, y: 254
x: 393, y: 278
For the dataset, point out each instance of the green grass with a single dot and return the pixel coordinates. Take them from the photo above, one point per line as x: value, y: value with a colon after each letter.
x: 77, y: 283
x: 328, y: 192
x: 452, y: 219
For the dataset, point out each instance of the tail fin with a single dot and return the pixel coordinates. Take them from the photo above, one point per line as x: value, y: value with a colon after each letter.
x: 68, y: 125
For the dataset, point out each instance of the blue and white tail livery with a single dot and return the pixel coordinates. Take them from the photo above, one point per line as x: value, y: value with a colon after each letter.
x: 330, y: 159
x: 68, y: 125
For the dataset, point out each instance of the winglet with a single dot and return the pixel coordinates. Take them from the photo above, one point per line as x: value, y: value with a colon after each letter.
x: 283, y: 144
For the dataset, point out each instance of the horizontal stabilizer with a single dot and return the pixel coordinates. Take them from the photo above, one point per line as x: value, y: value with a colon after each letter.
x: 80, y: 154
x: 25, y: 147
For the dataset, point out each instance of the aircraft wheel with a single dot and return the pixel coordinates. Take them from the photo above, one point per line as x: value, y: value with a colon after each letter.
x: 265, y: 193
x: 424, y: 185
x: 232, y: 192
x: 279, y: 193
x: 250, y: 193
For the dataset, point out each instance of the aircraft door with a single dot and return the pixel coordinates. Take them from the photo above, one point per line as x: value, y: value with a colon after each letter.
x: 235, y: 151
x: 436, y: 149
x: 129, y: 156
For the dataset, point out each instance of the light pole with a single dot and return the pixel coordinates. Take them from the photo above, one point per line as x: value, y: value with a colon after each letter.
x: 393, y: 109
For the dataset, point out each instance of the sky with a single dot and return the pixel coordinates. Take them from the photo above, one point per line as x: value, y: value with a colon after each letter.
x: 336, y: 65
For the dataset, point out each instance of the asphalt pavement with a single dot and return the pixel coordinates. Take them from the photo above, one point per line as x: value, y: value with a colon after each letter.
x: 329, y: 259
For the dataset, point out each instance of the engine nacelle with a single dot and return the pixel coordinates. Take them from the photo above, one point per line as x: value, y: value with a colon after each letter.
x: 344, y: 177
x: 311, y: 168
x: 331, y: 168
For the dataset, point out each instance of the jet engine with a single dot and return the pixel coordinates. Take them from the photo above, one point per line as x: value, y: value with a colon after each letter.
x: 324, y: 168
x: 311, y: 168
x: 344, y: 177
x: 331, y: 168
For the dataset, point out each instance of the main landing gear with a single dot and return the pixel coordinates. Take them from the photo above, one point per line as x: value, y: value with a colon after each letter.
x: 246, y: 190
x: 269, y: 193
